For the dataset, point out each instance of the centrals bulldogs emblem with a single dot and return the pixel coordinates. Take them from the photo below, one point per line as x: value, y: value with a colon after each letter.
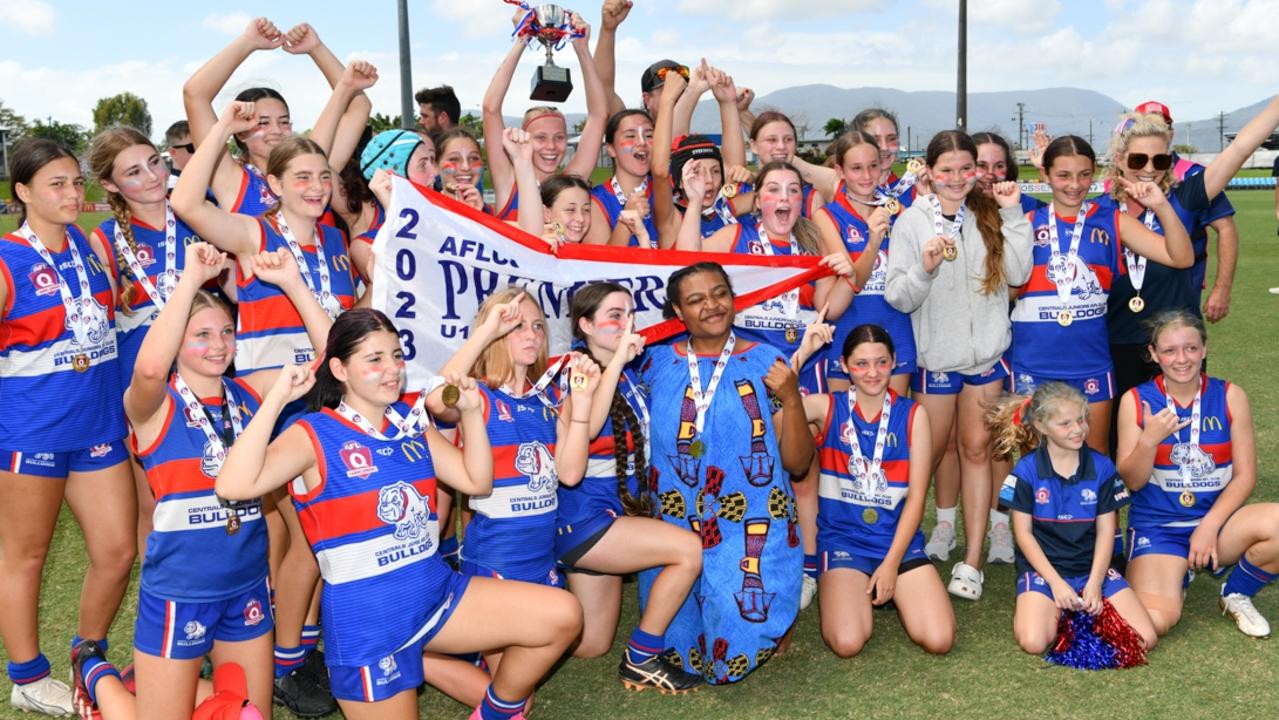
x: 1193, y: 460
x: 404, y: 507
x: 535, y: 462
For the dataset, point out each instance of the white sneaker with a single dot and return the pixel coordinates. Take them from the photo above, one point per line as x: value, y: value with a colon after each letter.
x: 1274, y: 291
x: 1001, y: 545
x: 965, y: 581
x: 47, y: 696
x: 807, y: 591
x: 941, y: 542
x: 1247, y: 618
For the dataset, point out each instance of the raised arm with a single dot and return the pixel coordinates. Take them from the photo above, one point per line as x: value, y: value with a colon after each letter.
x: 665, y: 216
x: 518, y: 149
x: 499, y: 322
x: 699, y: 81
x: 1257, y: 130
x: 733, y: 146
x: 491, y: 108
x: 1173, y: 247
x: 253, y: 469
x: 612, y: 14
x: 280, y: 268
x: 589, y: 142
x: 573, y: 434
x: 348, y: 108
x: 794, y: 440
x: 233, y: 233
x: 469, y: 470
x: 629, y: 347
x: 146, y: 393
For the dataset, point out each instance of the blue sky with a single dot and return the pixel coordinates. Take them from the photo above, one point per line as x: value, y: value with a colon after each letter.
x: 59, y: 57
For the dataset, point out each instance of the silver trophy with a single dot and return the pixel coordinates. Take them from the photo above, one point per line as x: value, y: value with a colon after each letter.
x: 551, y: 83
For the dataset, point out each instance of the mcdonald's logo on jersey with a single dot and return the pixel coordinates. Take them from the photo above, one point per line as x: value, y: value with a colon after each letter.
x: 341, y: 263
x: 1099, y: 236
x: 1212, y: 422
x: 891, y: 440
x: 414, y: 450
x: 95, y: 265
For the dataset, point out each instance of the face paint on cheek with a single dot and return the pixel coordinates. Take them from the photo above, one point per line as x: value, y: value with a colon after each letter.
x: 627, y: 147
x: 448, y: 168
x: 371, y: 377
x: 133, y: 183
x: 198, y: 346
x: 970, y: 174
x: 940, y: 177
x: 609, y: 327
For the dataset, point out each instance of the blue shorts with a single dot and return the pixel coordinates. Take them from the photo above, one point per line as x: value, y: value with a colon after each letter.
x: 1160, y: 540
x: 571, y: 537
x: 835, y: 557
x: 402, y: 669
x: 927, y: 382
x: 548, y: 576
x: 187, y: 630
x: 1034, y: 582
x: 1096, y: 388
x: 99, y: 456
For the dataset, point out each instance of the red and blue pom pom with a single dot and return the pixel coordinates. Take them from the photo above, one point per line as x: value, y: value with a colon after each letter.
x: 1103, y: 642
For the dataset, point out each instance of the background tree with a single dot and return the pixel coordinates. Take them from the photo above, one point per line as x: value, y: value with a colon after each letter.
x: 123, y: 109
x: 72, y: 136
x: 381, y: 121
x: 13, y: 122
x: 835, y: 127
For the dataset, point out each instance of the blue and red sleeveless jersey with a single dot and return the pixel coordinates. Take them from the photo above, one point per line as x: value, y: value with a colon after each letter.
x: 131, y: 328
x: 255, y: 196
x: 510, y: 212
x: 513, y: 531
x: 372, y: 524
x: 188, y: 525
x: 765, y: 322
x: 603, y: 197
x: 597, y: 493
x: 1038, y: 339
x: 45, y: 404
x: 269, y: 330
x: 869, y: 306
x: 1205, y: 470
x: 846, y: 515
x: 379, y: 219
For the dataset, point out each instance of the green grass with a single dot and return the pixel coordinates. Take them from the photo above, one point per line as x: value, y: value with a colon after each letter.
x: 1204, y: 668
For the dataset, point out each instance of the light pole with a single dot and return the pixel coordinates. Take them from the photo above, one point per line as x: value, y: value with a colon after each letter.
x: 961, y: 91
x: 408, y: 118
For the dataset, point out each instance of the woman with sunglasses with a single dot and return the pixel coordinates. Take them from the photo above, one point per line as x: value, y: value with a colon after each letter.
x: 546, y: 125
x: 1140, y: 152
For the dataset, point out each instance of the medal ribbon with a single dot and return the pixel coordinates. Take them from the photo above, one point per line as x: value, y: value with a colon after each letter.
x: 723, y: 208
x: 410, y: 427
x: 702, y: 400
x: 1065, y: 279
x: 1194, y: 425
x: 168, y: 277
x: 904, y: 183
x: 636, y: 398
x: 197, y: 411
x: 791, y: 298
x: 325, y: 296
x: 620, y: 194
x: 81, y: 312
x: 1137, y: 263
x: 857, y: 467
x: 956, y: 227
x: 543, y: 382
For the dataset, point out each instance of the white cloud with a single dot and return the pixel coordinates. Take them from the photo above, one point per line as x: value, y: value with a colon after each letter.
x: 777, y: 9
x: 488, y: 20
x: 226, y: 23
x: 1017, y: 15
x: 33, y: 17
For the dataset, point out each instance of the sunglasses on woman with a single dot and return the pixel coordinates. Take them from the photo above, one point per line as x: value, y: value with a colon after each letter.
x: 1137, y: 161
x: 663, y: 71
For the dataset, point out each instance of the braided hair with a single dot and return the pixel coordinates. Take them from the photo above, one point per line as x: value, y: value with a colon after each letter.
x: 102, y: 154
x: 628, y: 431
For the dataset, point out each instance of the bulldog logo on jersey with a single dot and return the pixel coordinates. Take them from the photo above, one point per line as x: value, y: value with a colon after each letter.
x: 92, y: 317
x: 214, y: 456
x: 404, y: 507
x: 1192, y: 460
x: 43, y: 279
x: 358, y: 459
x: 194, y: 630
x: 535, y: 462
x: 387, y: 665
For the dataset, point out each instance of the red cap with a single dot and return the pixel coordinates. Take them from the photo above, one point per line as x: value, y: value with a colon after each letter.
x: 230, y: 698
x: 1153, y: 107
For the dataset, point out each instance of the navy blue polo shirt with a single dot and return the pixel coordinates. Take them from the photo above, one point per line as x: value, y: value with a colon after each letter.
x: 1064, y: 510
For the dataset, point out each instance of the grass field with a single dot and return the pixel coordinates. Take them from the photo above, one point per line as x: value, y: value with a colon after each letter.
x: 1204, y: 668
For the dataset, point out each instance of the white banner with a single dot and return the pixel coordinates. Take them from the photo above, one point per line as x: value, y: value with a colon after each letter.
x: 438, y: 259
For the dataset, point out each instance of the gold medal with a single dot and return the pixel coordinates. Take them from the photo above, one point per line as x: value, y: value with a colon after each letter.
x: 1136, y: 304
x: 914, y: 166
x: 450, y: 187
x: 451, y: 395
x: 577, y: 381
x: 1187, y: 498
x: 729, y: 191
x: 870, y: 516
x: 792, y: 335
x: 1064, y: 318
x: 893, y: 206
x: 696, y: 449
x: 80, y: 363
x: 232, y: 521
x: 950, y: 253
